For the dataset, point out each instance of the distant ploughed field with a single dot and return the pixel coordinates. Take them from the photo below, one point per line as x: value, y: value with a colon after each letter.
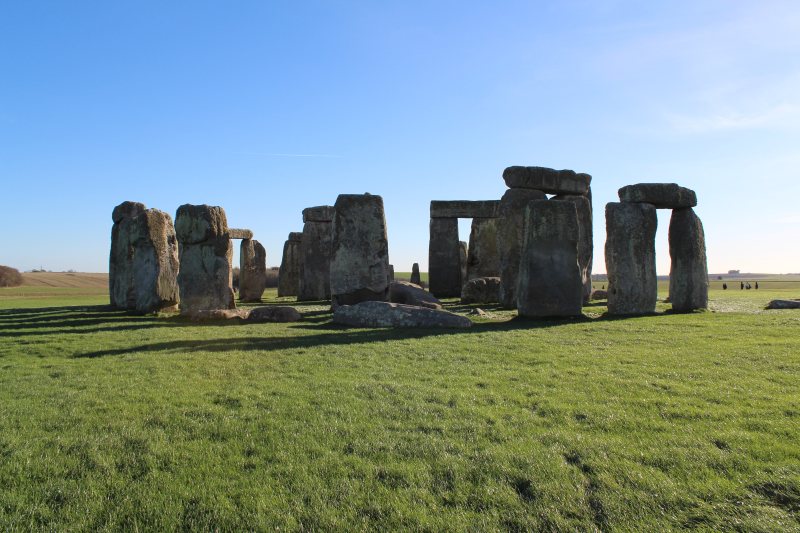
x: 84, y: 280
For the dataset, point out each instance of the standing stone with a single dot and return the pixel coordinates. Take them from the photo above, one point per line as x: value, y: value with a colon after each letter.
x: 289, y: 273
x: 359, y: 269
x: 631, y: 258
x: 583, y: 205
x: 205, y: 277
x: 510, y: 231
x: 688, y: 277
x: 415, y: 277
x: 252, y: 270
x: 463, y: 254
x: 550, y: 282
x: 391, y: 273
x: 315, y: 254
x: 444, y: 264
x: 155, y: 262
x: 483, y: 260
x: 120, y: 264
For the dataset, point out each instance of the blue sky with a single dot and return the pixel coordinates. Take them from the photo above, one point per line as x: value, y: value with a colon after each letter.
x: 266, y: 108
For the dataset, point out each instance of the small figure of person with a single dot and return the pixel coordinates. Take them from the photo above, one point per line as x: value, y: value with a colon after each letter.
x: 724, y: 286
x: 756, y: 285
x: 742, y: 285
x: 748, y: 287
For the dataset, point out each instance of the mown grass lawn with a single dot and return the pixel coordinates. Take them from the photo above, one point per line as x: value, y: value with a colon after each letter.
x: 112, y: 421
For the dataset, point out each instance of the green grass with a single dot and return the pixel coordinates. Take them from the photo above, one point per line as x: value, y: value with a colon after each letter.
x: 666, y: 422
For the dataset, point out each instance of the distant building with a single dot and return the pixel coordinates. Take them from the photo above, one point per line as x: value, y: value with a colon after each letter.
x: 733, y: 271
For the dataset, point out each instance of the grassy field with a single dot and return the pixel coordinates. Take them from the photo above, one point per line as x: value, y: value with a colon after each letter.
x: 666, y: 422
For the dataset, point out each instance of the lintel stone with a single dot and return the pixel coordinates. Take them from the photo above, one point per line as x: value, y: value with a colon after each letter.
x: 465, y: 208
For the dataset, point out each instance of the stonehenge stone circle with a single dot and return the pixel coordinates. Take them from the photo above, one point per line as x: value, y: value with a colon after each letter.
x: 315, y: 254
x: 688, y: 277
x: 631, y: 258
x: 583, y: 205
x: 372, y: 314
x: 483, y: 259
x: 206, y: 252
x: 289, y: 273
x: 444, y: 258
x: 661, y: 195
x: 359, y: 267
x: 550, y: 282
x: 481, y: 291
x: 510, y: 230
x: 547, y: 180
x: 252, y: 270
x: 415, y: 277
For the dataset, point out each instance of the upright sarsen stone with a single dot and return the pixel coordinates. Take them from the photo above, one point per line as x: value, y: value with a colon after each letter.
x: 550, y: 282
x: 315, y: 254
x: 583, y: 206
x: 631, y: 258
x: 510, y: 226
x: 120, y: 264
x: 463, y: 254
x: 252, y: 270
x: 688, y: 277
x: 205, y: 277
x: 415, y: 277
x: 359, y: 269
x: 289, y: 273
x: 444, y: 263
x: 483, y: 260
x: 155, y: 262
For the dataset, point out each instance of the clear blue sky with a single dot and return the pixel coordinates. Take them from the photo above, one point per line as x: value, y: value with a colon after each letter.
x: 266, y: 108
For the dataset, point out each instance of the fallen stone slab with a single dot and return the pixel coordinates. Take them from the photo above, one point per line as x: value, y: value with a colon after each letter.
x: 403, y: 292
x: 237, y: 233
x: 784, y: 304
x: 274, y: 313
x: 661, y: 195
x: 203, y: 315
x: 465, y: 208
x: 373, y: 314
x: 547, y: 180
x: 484, y: 290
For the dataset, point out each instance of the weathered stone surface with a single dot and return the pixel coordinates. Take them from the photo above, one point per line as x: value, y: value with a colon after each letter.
x: 315, y: 262
x: 550, y: 282
x: 127, y: 210
x: 483, y: 259
x: 120, y: 263
x: 203, y: 315
x: 415, y: 277
x: 289, y: 273
x: 463, y: 254
x: 252, y: 270
x: 599, y: 294
x: 784, y: 304
x: 583, y: 205
x: 403, y: 292
x: 205, y: 259
x: 661, y: 195
x: 387, y: 315
x: 360, y: 250
x: 236, y: 233
x: 547, y: 180
x: 481, y: 291
x: 274, y: 313
x: 444, y: 263
x: 688, y: 277
x: 322, y: 213
x: 631, y: 258
x: 510, y: 231
x: 464, y: 208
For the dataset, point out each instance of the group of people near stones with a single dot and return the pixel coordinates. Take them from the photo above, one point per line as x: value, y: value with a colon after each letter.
x: 528, y: 251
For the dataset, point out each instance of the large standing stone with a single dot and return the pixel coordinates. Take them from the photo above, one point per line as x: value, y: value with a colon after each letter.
x: 547, y: 180
x: 252, y: 270
x: 661, y: 195
x: 359, y: 268
x: 631, y: 258
x: 444, y: 263
x: 483, y: 260
x: 583, y: 205
x: 289, y: 273
x: 205, y: 277
x: 510, y: 230
x: 550, y: 282
x: 315, y: 254
x: 415, y: 277
x: 463, y: 254
x: 120, y: 264
x: 688, y: 277
x: 387, y: 315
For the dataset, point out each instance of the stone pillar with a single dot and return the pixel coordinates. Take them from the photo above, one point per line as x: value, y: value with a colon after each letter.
x: 415, y: 277
x: 252, y: 270
x: 289, y: 273
x: 463, y: 254
x: 688, y: 277
x: 550, y: 282
x: 510, y: 231
x: 359, y: 268
x: 391, y: 273
x: 120, y: 263
x: 205, y: 258
x: 483, y: 260
x: 631, y: 258
x: 583, y: 205
x: 315, y: 254
x: 444, y: 264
